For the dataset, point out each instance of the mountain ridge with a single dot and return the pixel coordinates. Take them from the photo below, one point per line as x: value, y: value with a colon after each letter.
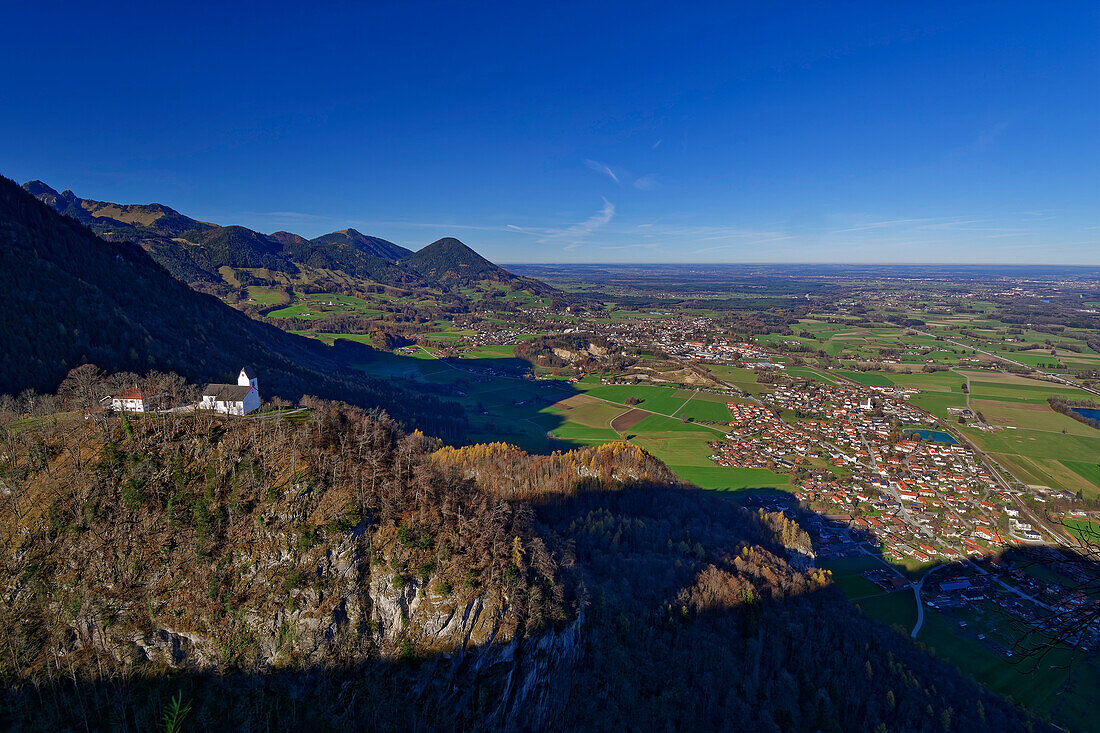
x: 84, y: 299
x: 194, y: 251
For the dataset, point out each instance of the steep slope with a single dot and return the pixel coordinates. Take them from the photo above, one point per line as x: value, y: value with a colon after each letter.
x: 189, y: 249
x: 158, y: 229
x: 77, y: 298
x: 193, y: 251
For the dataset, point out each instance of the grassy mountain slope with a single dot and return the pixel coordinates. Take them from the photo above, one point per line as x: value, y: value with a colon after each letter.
x: 137, y: 219
x: 77, y: 298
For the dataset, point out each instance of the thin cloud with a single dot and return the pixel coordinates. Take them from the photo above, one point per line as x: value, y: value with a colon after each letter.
x: 289, y: 215
x: 360, y: 224
x: 574, y: 235
x: 652, y: 245
x: 578, y: 233
x: 984, y: 140
x: 646, y: 183
x: 603, y: 168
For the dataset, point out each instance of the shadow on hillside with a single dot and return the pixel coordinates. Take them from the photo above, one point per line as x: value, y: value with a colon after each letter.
x: 691, y: 620
x: 964, y: 604
x: 500, y: 397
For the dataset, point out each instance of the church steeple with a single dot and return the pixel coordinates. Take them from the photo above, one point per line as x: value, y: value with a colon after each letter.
x: 248, y: 378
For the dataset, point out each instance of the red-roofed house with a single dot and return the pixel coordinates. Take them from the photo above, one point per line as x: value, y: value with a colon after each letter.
x: 130, y: 400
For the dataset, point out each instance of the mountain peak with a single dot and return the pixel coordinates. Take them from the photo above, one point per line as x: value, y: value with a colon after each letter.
x: 37, y: 188
x: 45, y: 193
x: 451, y: 242
x: 288, y: 238
x: 450, y: 260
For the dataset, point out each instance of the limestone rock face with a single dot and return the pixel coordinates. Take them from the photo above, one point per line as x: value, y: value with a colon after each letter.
x: 353, y: 610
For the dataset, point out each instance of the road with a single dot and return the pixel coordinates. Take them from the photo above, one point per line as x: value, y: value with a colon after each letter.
x: 916, y: 587
x: 967, y: 378
x: 920, y: 605
x: 1008, y: 587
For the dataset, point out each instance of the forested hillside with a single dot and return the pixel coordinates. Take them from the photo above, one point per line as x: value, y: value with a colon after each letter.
x: 450, y: 261
x: 335, y: 571
x: 77, y: 298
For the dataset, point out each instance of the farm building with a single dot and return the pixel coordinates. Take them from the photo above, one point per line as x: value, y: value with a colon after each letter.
x: 130, y: 400
x: 233, y: 399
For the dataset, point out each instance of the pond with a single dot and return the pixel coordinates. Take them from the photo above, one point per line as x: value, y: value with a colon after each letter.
x: 937, y: 436
x: 1089, y: 413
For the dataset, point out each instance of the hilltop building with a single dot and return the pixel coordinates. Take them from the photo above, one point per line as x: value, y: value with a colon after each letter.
x: 130, y: 400
x: 233, y: 399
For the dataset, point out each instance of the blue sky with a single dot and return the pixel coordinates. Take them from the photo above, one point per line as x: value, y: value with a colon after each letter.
x: 587, y: 132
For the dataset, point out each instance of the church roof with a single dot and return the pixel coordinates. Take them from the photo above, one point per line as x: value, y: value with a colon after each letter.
x: 226, y: 392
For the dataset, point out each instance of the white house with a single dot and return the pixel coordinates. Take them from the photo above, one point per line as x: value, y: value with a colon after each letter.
x: 233, y: 399
x: 130, y: 400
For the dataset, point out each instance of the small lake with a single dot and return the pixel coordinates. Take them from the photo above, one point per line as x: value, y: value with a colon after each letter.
x: 1090, y: 413
x: 937, y: 436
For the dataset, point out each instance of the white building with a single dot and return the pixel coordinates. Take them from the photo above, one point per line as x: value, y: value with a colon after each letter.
x: 233, y: 399
x: 130, y: 400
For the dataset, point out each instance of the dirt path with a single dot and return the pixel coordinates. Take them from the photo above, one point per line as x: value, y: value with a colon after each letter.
x: 689, y: 399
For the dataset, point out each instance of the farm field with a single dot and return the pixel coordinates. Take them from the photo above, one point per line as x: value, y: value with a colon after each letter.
x: 896, y: 608
x: 672, y: 423
x: 872, y: 379
x: 1043, y: 690
x: 811, y: 373
x: 697, y: 408
x: 662, y: 400
x: 543, y: 415
x: 1046, y: 689
x: 265, y: 296
x: 744, y: 379
x: 546, y: 415
x: 1082, y: 529
x: 318, y: 305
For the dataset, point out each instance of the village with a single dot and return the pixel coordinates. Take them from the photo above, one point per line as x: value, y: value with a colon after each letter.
x: 858, y: 452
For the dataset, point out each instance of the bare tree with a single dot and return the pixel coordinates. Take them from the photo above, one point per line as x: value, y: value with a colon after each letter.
x: 1070, y: 621
x: 83, y: 387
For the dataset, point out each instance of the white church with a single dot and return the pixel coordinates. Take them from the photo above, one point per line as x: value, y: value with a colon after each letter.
x: 233, y: 399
